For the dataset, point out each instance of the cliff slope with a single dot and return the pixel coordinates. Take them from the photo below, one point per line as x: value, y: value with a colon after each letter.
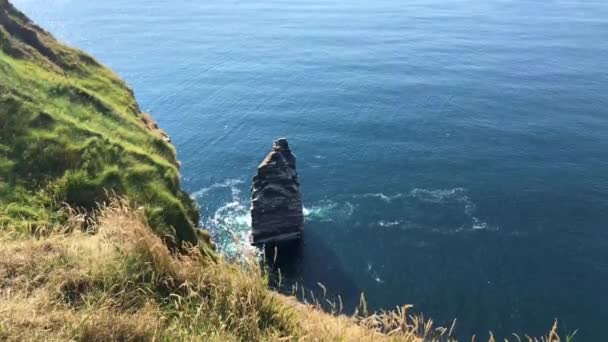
x: 70, y: 131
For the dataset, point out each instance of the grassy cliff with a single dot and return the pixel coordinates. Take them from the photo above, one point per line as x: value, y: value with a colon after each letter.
x: 71, y: 131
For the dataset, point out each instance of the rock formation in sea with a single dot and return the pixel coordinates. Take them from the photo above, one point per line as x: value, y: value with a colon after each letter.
x: 276, y: 202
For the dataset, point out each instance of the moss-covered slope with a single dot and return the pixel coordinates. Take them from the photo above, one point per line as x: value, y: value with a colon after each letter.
x: 71, y: 130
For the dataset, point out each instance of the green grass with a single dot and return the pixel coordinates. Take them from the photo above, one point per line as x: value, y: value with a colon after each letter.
x: 71, y: 132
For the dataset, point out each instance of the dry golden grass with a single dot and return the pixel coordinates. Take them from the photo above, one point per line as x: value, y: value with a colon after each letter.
x: 118, y: 282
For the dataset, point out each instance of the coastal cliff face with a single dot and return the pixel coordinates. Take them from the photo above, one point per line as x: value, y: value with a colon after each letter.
x: 276, y: 201
x: 71, y: 132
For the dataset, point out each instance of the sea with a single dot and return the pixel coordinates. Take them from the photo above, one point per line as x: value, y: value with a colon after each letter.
x: 453, y: 154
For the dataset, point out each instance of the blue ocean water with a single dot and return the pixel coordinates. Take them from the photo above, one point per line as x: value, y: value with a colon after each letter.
x: 453, y: 154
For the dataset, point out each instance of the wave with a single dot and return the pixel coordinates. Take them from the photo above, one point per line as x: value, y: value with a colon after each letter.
x: 383, y: 223
x: 440, y: 196
x: 229, y: 183
x: 230, y: 222
x: 442, y: 211
x: 380, y: 195
x: 443, y: 196
x: 404, y: 210
x: 328, y: 211
x: 371, y: 270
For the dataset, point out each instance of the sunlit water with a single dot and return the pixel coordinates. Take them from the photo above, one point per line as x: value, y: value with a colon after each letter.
x: 453, y: 154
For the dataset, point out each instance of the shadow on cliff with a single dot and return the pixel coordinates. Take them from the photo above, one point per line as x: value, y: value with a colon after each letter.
x: 311, y: 270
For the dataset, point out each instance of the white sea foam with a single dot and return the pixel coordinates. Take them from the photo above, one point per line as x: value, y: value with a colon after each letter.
x: 435, y: 196
x: 230, y: 223
x: 479, y: 225
x: 441, y: 195
x: 453, y: 195
x: 382, y: 223
x: 374, y: 273
x: 327, y: 211
x: 229, y: 183
x: 382, y: 196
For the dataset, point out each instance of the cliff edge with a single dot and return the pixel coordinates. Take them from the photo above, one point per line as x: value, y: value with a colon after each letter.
x: 71, y: 132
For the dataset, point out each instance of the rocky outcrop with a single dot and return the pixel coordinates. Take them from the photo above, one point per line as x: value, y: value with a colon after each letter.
x: 276, y: 202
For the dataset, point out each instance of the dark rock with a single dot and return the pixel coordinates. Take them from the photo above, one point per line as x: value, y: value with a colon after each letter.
x: 276, y: 202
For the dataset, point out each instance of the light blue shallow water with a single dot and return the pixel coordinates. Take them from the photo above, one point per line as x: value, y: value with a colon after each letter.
x: 453, y: 154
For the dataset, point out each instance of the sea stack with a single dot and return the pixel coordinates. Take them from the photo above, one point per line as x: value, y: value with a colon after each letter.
x: 276, y: 202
